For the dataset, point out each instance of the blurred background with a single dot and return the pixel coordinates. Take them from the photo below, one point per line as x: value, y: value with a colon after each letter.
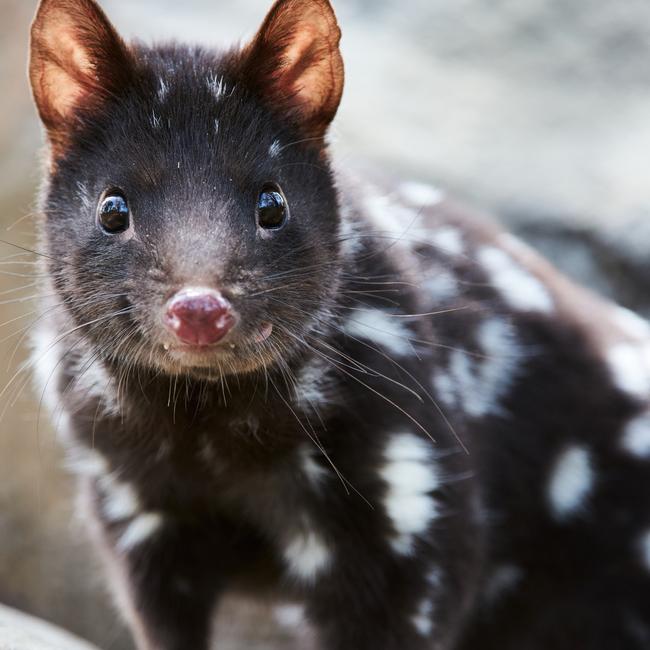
x: 537, y: 111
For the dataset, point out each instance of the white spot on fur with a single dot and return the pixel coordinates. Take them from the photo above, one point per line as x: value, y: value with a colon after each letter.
x: 312, y: 470
x: 216, y: 85
x: 389, y: 332
x: 216, y: 126
x: 636, y: 436
x: 423, y: 619
x: 392, y: 219
x: 503, y: 580
x: 632, y: 324
x: 476, y: 384
x: 518, y: 287
x: 163, y: 89
x: 452, y: 386
x: 45, y: 361
x: 421, y: 194
x: 120, y: 500
x: 571, y: 482
x: 94, y: 381
x: 441, y: 286
x: 85, y: 462
x: 447, y: 239
x: 45, y: 365
x: 290, y: 616
x: 139, y: 530
x: 434, y: 577
x: 307, y: 554
x: 349, y: 234
x: 644, y: 548
x: 410, y: 476
x: 155, y: 121
x: 275, y: 149
x: 495, y: 374
x: 630, y: 368
x: 447, y: 386
x: 311, y: 386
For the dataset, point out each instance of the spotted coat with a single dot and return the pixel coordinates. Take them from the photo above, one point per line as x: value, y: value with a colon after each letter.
x: 476, y: 472
x: 451, y: 454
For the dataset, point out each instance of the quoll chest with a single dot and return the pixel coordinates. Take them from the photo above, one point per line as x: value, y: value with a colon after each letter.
x: 227, y: 467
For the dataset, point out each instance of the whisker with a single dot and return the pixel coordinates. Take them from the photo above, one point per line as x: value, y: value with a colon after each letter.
x: 29, y: 250
x: 370, y: 388
x: 30, y: 363
x: 346, y: 484
x: 29, y: 215
x: 383, y: 376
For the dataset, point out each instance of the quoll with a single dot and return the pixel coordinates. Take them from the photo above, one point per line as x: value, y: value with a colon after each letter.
x: 275, y: 378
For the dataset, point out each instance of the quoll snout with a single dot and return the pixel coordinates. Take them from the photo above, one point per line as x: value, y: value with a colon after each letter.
x: 199, y: 316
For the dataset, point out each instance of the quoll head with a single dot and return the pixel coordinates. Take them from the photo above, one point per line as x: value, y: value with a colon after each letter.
x: 190, y: 217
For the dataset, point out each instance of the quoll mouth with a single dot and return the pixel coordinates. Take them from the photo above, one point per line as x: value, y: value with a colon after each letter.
x: 203, y: 355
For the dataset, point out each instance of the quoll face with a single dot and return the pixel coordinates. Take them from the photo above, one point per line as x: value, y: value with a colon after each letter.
x: 188, y: 184
x: 170, y: 199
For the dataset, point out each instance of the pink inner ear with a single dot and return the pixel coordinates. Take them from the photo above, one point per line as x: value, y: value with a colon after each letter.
x: 77, y: 58
x: 67, y: 66
x: 61, y: 39
x: 296, y: 61
x: 62, y: 91
x: 300, y: 44
x: 306, y: 81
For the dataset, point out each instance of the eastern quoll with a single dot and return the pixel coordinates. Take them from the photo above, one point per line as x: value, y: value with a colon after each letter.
x: 275, y: 380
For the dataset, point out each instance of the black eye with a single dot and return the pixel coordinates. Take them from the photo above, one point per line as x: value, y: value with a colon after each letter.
x: 113, y: 215
x: 271, y: 208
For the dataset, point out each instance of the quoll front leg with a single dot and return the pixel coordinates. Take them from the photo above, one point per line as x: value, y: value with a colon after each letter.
x: 168, y: 572
x: 396, y: 573
x: 383, y: 607
x: 173, y: 589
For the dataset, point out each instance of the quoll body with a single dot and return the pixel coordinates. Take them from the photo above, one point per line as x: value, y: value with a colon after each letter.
x: 273, y: 379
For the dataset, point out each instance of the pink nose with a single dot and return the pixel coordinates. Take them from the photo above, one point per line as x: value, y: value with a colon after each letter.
x: 199, y: 316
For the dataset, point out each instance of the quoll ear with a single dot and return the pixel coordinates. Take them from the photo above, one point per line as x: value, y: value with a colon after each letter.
x: 295, y: 63
x: 77, y: 61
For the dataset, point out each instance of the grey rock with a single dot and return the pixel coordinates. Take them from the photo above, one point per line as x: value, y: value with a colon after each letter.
x: 21, y: 632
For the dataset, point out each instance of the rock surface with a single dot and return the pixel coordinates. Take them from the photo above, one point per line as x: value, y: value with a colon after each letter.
x: 21, y: 632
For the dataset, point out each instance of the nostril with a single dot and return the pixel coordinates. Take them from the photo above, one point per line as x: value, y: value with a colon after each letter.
x: 199, y: 316
x: 196, y: 308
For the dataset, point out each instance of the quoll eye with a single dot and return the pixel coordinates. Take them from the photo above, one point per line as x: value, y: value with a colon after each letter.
x: 113, y: 214
x: 271, y: 208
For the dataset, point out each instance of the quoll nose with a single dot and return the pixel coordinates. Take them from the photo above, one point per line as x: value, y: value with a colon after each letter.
x: 199, y: 316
